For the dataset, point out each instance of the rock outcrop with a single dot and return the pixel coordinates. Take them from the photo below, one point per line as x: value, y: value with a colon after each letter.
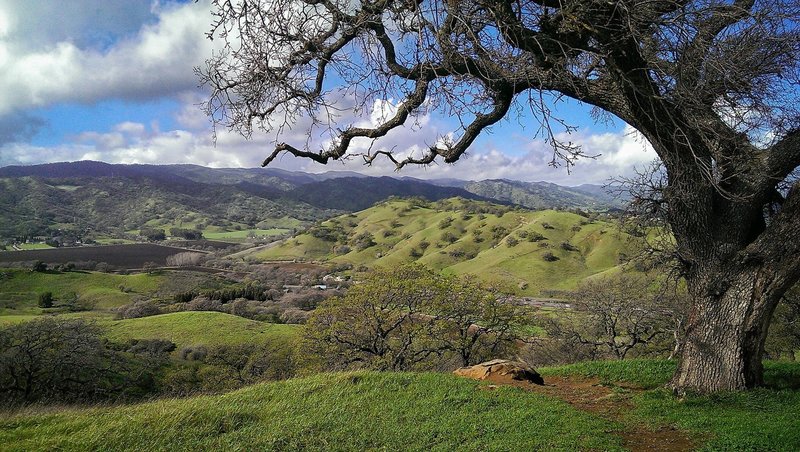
x: 499, y: 370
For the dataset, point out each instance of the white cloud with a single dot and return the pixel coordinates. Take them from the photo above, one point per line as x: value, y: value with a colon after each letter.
x: 135, y: 143
x: 155, y: 61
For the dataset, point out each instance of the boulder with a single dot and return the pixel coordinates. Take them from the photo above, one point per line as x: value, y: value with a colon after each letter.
x: 499, y: 370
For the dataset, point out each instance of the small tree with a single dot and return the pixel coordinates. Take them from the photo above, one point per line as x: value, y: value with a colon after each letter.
x: 409, y: 318
x: 474, y: 322
x: 53, y: 359
x: 620, y: 314
x: 45, y: 300
x: 150, y: 267
x: 380, y: 323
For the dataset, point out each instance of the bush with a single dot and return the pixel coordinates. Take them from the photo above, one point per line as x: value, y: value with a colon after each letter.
x: 137, y: 309
x: 363, y: 241
x: 445, y: 223
x: 568, y: 246
x: 294, y: 316
x: 549, y: 257
x: 152, y: 348
x: 511, y: 241
x: 45, y: 300
x: 535, y: 237
x: 193, y: 353
x: 449, y: 237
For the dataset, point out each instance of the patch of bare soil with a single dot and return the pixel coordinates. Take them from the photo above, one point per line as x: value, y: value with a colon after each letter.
x: 591, y: 396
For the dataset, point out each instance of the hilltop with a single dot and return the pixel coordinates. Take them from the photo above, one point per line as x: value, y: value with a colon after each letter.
x: 428, y: 411
x: 523, y: 251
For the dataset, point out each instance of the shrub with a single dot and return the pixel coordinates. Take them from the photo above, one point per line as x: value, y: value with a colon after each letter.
x: 445, y: 223
x: 45, y: 300
x: 137, y: 309
x: 535, y: 237
x: 568, y: 246
x: 153, y: 348
x: 511, y: 241
x: 449, y: 237
x: 294, y: 316
x: 549, y: 257
x: 193, y: 353
x: 363, y: 241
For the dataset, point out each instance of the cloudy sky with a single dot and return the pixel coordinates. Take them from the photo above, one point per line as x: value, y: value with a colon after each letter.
x: 113, y: 81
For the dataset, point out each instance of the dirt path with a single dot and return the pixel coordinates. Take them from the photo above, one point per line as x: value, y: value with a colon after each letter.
x: 589, y: 395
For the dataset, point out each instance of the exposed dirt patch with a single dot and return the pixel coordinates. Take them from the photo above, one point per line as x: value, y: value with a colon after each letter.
x: 587, y: 394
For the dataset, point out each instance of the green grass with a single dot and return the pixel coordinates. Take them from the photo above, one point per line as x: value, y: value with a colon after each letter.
x: 761, y: 419
x: 19, y: 289
x: 114, y: 241
x: 351, y: 411
x: 193, y: 328
x: 33, y: 246
x: 243, y: 234
x: 427, y: 411
x: 644, y: 373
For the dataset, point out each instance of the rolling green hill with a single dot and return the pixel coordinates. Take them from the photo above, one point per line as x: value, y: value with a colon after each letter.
x: 19, y: 289
x: 198, y: 327
x: 502, y: 245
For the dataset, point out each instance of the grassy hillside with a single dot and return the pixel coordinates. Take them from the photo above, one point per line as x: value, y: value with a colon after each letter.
x: 19, y: 289
x: 364, y: 410
x: 354, y: 411
x: 192, y: 328
x: 504, y: 246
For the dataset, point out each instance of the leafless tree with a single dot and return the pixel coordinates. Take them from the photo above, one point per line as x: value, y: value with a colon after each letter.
x: 711, y: 84
x: 617, y: 315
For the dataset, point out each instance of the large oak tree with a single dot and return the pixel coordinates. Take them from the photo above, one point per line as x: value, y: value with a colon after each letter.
x: 712, y: 84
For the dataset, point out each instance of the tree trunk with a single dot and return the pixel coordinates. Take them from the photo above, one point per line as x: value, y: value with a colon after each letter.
x: 726, y: 331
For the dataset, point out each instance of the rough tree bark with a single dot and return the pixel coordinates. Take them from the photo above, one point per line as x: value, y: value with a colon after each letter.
x: 712, y: 84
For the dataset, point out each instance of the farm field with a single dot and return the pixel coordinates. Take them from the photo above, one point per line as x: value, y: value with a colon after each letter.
x: 117, y: 256
x: 33, y: 246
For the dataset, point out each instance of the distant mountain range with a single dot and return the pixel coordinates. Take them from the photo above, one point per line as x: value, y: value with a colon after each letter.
x: 113, y: 197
